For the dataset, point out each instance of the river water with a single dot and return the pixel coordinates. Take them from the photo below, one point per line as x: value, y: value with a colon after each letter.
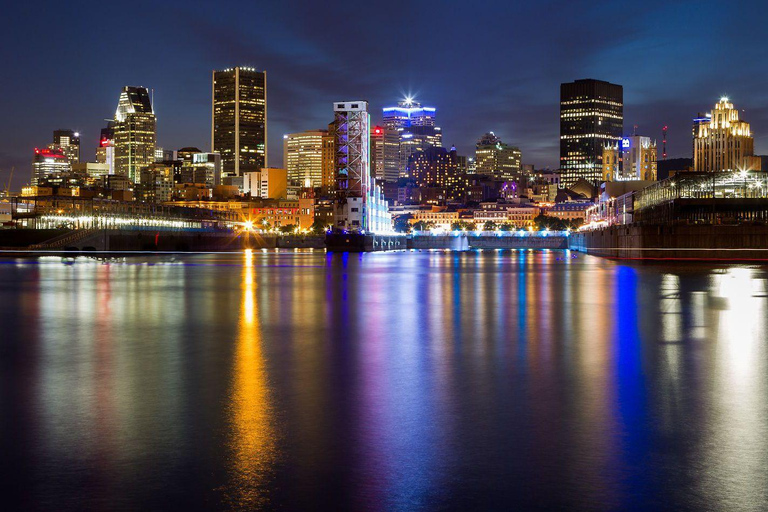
x: 494, y: 380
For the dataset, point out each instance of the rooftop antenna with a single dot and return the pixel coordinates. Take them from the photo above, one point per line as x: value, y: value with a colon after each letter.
x: 664, y: 143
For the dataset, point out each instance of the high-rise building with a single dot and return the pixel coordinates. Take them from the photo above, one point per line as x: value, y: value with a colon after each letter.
x: 303, y: 157
x: 377, y: 152
x: 69, y: 142
x: 723, y: 142
x: 496, y: 159
x: 135, y: 132
x: 591, y: 115
x: 46, y: 162
x: 408, y: 127
x: 239, y: 120
x: 433, y: 167
x: 631, y: 160
x: 105, y: 152
x: 329, y: 158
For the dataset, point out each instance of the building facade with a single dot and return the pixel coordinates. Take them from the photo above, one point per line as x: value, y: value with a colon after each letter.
x: 591, y: 115
x: 69, y: 142
x: 496, y: 159
x: 408, y: 127
x: 433, y: 167
x: 632, y: 159
x: 199, y: 168
x: 239, y: 120
x: 303, y: 157
x: 267, y: 183
x: 47, y: 162
x: 134, y: 132
x: 723, y: 142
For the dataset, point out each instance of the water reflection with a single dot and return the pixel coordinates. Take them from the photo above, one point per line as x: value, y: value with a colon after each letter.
x: 253, y: 436
x: 398, y: 381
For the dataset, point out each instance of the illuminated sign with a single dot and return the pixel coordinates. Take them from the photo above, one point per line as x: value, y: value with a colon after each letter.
x: 625, y: 143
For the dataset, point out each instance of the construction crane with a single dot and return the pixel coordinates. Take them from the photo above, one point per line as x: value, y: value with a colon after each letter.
x: 664, y: 143
x: 8, y: 186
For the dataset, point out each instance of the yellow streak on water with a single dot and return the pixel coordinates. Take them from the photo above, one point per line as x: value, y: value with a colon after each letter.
x: 253, y: 438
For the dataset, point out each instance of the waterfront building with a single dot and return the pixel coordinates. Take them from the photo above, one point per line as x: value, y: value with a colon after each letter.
x: 574, y: 211
x: 591, y: 115
x: 723, y: 142
x: 239, y: 120
x: 266, y: 183
x: 47, y: 162
x: 360, y: 203
x: 303, y: 157
x: 632, y: 159
x: 134, y: 132
x: 69, y: 142
x: 496, y: 159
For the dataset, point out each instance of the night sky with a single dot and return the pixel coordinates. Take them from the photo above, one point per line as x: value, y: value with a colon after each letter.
x: 484, y: 65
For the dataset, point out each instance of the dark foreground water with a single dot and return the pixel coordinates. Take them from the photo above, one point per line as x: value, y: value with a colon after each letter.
x: 398, y: 381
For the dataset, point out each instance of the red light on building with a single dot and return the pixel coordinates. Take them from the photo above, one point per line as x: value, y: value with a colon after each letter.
x: 378, y: 130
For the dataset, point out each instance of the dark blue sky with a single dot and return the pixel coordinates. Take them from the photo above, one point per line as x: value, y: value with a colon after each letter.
x: 484, y: 65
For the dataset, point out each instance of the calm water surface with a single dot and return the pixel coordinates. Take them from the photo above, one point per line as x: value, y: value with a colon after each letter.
x: 392, y: 381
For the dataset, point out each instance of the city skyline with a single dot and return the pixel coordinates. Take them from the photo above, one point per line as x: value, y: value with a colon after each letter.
x: 519, y: 106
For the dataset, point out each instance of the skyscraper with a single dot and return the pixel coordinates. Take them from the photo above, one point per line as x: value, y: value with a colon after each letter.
x: 69, y: 142
x: 135, y: 132
x: 303, y: 157
x: 591, y: 114
x: 329, y: 158
x: 377, y: 153
x: 46, y: 162
x: 105, y: 152
x: 239, y: 119
x: 408, y: 127
x: 433, y: 167
x: 496, y: 159
x: 723, y: 142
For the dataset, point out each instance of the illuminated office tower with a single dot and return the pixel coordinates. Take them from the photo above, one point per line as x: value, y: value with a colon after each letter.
x: 46, y: 162
x: 496, y: 159
x: 632, y: 159
x: 723, y: 142
x: 239, y: 120
x: 69, y: 142
x: 303, y: 157
x: 591, y: 115
x: 408, y: 127
x: 135, y: 132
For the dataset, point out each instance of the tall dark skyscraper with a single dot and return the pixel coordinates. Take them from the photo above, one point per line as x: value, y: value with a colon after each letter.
x: 591, y: 115
x: 239, y: 119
